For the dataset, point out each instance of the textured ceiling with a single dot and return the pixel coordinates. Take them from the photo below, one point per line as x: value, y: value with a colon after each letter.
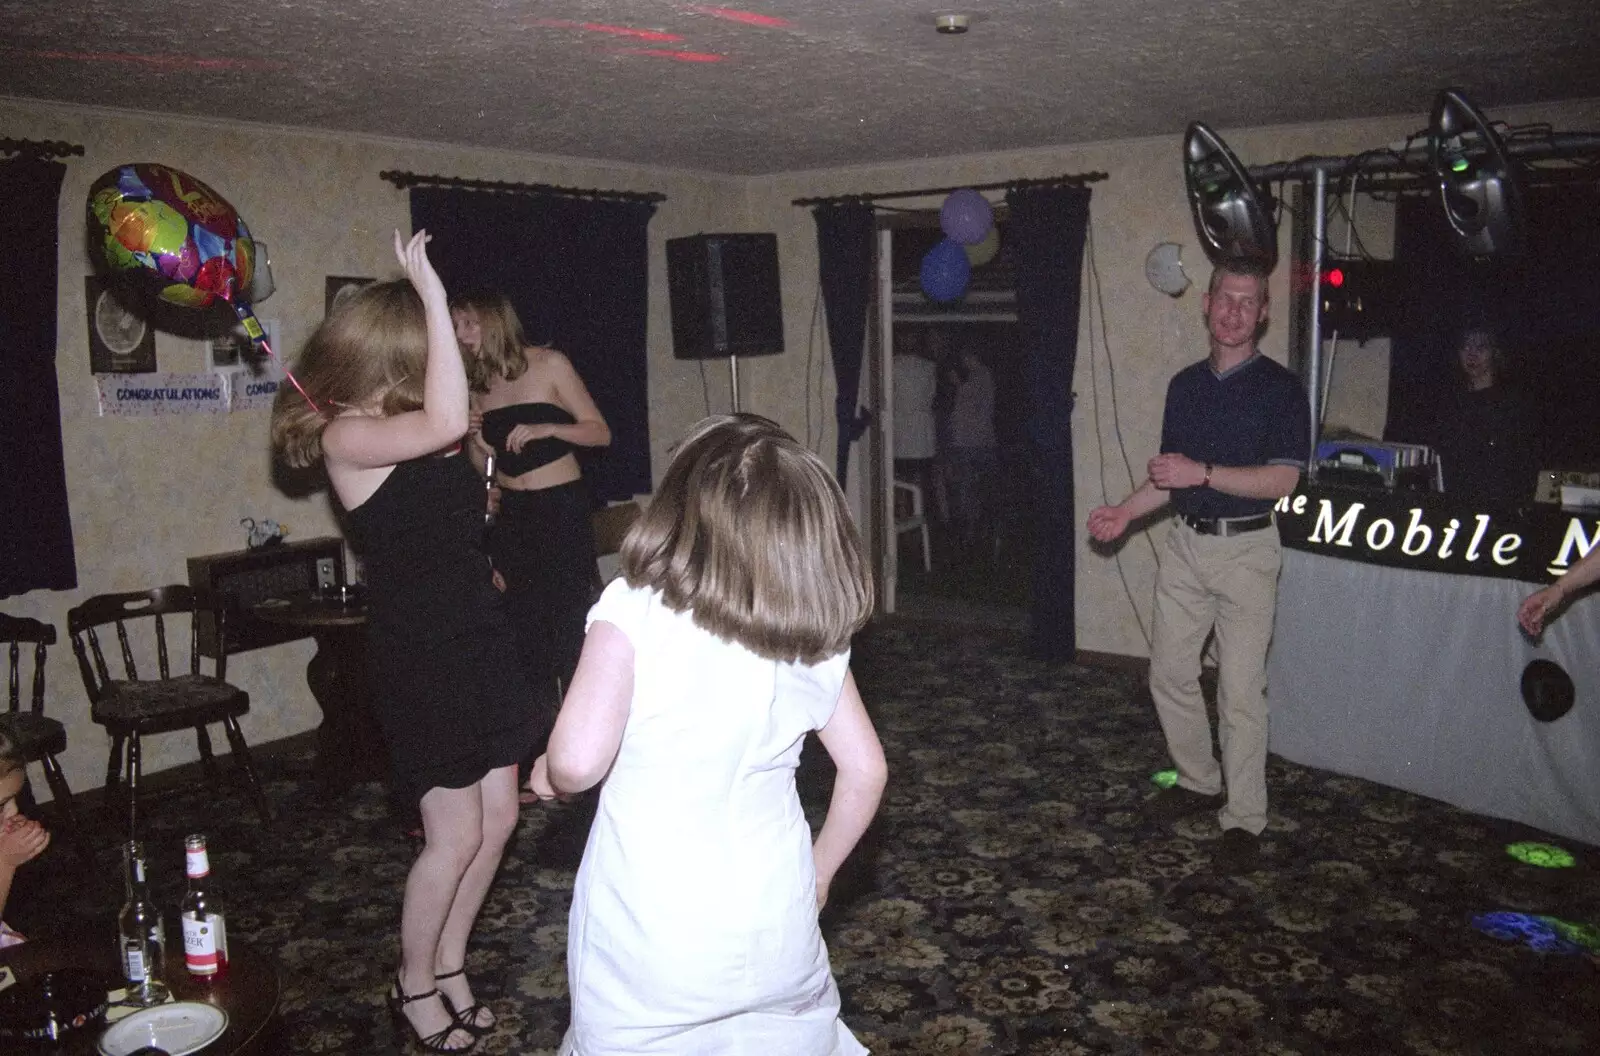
x: 784, y: 85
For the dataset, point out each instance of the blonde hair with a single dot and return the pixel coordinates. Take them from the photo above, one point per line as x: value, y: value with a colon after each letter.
x: 750, y: 534
x: 501, y: 353
x: 373, y: 348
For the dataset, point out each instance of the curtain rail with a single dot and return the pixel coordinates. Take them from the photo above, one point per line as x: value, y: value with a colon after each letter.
x: 42, y: 149
x: 403, y: 180
x: 1074, y: 179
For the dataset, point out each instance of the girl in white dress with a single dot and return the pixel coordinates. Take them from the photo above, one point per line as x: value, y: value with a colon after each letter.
x: 694, y: 921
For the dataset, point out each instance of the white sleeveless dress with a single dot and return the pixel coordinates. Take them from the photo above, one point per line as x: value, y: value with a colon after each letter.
x: 694, y: 922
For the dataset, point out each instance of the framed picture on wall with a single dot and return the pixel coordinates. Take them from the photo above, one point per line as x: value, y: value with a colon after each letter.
x: 121, y: 340
x: 338, y: 288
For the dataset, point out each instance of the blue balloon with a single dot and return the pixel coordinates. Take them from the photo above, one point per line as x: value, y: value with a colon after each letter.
x: 946, y: 271
x: 966, y: 216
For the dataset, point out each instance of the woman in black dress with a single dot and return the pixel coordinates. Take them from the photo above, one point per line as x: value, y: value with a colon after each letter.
x: 385, y: 408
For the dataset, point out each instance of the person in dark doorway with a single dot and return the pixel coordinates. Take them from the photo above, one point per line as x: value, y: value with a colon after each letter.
x: 1234, y: 439
x: 915, y: 381
x: 969, y: 449
x: 1486, y: 441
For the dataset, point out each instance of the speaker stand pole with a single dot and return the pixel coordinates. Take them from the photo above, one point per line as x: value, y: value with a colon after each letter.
x: 733, y: 375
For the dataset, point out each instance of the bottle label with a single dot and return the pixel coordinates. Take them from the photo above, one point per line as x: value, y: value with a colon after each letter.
x: 133, y: 963
x: 196, y: 863
x: 203, y: 943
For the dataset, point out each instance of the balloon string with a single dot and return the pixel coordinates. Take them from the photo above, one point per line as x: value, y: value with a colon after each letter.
x: 290, y: 374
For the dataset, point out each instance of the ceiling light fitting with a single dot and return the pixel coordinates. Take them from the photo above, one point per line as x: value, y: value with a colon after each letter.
x: 952, y: 23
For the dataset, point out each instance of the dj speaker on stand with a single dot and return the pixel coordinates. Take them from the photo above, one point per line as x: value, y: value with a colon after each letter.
x: 726, y: 300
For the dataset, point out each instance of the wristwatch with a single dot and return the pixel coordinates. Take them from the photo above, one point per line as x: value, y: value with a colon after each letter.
x: 1207, y: 482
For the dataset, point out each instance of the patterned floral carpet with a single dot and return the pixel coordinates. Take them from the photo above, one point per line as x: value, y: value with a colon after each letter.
x: 1012, y: 897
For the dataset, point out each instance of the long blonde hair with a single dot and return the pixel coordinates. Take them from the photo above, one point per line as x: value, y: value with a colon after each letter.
x: 372, y: 349
x: 502, y: 350
x: 751, y: 535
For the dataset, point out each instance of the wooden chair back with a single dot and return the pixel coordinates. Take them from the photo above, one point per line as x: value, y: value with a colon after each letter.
x: 117, y: 610
x: 17, y: 631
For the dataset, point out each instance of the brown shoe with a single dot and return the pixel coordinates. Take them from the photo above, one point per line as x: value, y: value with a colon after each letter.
x: 1238, y: 852
x: 1177, y: 802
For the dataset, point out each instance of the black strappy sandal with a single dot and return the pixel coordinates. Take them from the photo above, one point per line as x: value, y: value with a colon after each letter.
x: 467, y: 1018
x: 434, y: 1043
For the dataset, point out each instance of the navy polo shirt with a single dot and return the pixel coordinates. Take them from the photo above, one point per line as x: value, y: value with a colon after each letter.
x: 1254, y: 414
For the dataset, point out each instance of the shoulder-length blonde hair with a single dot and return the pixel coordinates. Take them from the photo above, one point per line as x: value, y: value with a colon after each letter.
x: 502, y: 351
x: 373, y: 349
x: 750, y: 534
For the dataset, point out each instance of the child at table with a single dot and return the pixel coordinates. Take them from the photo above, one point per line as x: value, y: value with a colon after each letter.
x: 21, y: 839
x: 385, y: 408
x: 694, y: 919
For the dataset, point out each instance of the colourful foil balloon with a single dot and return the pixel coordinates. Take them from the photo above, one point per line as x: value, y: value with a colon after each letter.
x: 166, y: 227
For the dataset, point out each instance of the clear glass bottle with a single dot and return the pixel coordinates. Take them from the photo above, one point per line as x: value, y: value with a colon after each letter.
x: 205, y: 931
x: 141, y: 937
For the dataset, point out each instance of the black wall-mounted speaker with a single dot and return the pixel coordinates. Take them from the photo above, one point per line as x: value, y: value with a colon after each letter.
x: 726, y: 299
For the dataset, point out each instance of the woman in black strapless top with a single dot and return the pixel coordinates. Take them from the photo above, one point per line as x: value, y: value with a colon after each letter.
x: 535, y: 411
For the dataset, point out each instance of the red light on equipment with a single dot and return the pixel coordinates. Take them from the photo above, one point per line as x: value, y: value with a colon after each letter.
x: 1334, y: 277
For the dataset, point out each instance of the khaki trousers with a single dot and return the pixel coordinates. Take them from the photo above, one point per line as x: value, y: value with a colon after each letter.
x: 1229, y: 585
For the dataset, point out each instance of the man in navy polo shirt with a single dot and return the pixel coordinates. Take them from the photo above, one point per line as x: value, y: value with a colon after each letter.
x: 1234, y: 439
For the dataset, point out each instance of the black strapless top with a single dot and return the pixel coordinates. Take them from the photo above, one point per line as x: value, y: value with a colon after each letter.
x: 498, y: 423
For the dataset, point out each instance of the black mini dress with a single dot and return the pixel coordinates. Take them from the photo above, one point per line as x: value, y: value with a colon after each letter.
x: 450, y: 704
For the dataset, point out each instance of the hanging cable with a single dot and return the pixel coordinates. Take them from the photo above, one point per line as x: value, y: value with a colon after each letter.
x: 1098, y: 298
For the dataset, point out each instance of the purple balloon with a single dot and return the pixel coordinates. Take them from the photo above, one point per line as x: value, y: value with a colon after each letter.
x: 945, y: 271
x: 966, y: 216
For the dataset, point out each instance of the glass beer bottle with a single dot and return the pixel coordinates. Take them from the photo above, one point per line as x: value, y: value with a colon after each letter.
x: 205, y: 931
x: 141, y: 938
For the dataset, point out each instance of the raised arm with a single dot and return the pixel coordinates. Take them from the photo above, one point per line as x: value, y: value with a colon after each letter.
x: 852, y: 744
x: 366, y: 441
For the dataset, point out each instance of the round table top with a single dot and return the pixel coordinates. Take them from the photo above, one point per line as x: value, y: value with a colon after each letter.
x: 249, y: 991
x: 312, y: 609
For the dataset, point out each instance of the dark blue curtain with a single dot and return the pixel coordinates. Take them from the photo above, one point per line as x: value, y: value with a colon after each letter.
x: 577, y: 270
x: 1047, y: 229
x: 844, y: 260
x: 35, y: 524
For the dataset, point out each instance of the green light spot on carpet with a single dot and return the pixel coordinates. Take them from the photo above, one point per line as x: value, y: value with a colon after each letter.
x: 1542, y: 855
x: 1165, y: 778
x: 1585, y: 935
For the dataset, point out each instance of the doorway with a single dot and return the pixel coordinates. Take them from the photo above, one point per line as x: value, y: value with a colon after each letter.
x: 947, y: 387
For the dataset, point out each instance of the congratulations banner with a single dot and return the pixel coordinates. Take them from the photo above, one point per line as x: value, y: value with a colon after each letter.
x: 160, y: 394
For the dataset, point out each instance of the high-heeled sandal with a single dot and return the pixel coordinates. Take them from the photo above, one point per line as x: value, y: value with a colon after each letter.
x: 436, y: 1042
x: 467, y: 1018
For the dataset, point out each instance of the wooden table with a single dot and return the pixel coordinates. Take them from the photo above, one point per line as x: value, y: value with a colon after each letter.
x: 350, y: 746
x: 249, y: 991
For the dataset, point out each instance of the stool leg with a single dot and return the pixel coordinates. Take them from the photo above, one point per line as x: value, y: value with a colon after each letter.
x: 65, y: 805
x: 241, y: 756
x: 113, y: 789
x: 207, y: 761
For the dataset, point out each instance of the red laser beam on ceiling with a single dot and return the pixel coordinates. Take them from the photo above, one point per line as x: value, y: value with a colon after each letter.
x: 170, y: 63
x: 654, y: 35
x: 749, y: 18
x: 676, y: 56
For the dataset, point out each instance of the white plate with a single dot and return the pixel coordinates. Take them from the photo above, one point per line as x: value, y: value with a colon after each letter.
x: 179, y: 1028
